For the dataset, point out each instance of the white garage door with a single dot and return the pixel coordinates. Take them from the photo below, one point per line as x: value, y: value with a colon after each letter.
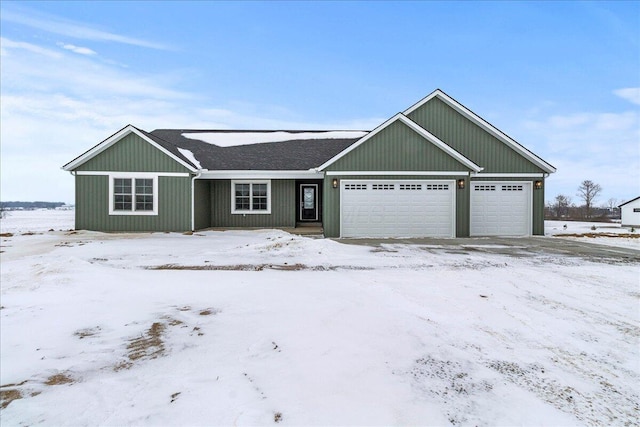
x: 501, y: 208
x: 385, y: 208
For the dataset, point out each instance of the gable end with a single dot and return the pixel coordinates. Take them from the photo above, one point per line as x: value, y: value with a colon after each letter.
x: 127, y: 134
x: 414, y: 112
x: 412, y: 131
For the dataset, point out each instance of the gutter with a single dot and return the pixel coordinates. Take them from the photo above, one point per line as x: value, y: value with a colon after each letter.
x: 193, y: 199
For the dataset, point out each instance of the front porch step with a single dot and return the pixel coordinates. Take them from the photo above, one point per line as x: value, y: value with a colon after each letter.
x: 308, y: 224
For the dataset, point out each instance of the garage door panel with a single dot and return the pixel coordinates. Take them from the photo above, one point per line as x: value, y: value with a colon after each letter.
x: 500, y: 209
x: 379, y: 208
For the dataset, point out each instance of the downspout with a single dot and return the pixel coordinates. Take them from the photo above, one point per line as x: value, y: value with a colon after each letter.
x: 193, y: 199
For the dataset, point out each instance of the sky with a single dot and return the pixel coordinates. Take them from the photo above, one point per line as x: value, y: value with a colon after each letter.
x: 561, y: 78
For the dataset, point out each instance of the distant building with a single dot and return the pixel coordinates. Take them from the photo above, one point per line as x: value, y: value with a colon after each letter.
x: 630, y: 213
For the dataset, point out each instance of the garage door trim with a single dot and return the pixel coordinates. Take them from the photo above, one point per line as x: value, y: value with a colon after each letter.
x: 450, y: 182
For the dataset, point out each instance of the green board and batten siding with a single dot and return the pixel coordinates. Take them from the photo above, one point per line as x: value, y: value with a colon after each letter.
x: 395, y: 148
x: 132, y: 154
x: 475, y: 143
x: 470, y: 140
x: 283, y: 206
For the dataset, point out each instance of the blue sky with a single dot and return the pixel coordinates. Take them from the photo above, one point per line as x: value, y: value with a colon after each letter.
x: 562, y: 78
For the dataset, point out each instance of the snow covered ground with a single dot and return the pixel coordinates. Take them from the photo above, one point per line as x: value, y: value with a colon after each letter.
x: 603, y: 233
x: 266, y: 328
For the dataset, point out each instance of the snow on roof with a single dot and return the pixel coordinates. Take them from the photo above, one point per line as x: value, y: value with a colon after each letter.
x: 189, y: 156
x: 231, y: 139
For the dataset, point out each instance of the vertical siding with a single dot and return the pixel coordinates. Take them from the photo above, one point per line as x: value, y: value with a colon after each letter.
x: 538, y: 210
x: 92, y: 202
x: 463, y: 203
x: 132, y: 154
x: 331, y: 208
x: 202, y: 209
x: 92, y: 207
x: 397, y: 148
x: 469, y: 139
x: 283, y: 206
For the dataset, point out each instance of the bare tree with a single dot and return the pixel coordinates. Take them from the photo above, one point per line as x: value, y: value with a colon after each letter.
x: 561, y: 205
x: 588, y: 191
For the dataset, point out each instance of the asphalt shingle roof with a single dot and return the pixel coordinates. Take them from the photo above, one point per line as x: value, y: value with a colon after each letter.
x: 294, y: 154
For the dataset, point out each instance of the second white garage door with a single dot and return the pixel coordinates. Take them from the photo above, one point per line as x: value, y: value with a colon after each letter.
x: 501, y: 208
x: 398, y: 208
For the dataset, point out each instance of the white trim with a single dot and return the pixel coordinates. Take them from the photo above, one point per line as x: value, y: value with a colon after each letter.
x: 483, y: 124
x: 115, y: 138
x: 193, y: 201
x: 397, y: 173
x: 234, y: 211
x: 398, y: 181
x: 416, y: 128
x: 133, y: 177
x: 134, y: 174
x: 260, y: 174
x: 528, y: 184
x: 507, y: 175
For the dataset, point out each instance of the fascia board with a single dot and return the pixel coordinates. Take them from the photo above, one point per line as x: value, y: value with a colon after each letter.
x: 91, y: 153
x: 627, y: 202
x: 422, y: 102
x: 260, y: 174
x: 98, y: 148
x: 484, y: 125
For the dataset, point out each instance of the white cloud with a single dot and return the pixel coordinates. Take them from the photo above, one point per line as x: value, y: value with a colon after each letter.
x: 603, y: 147
x: 8, y: 45
x: 631, y: 94
x: 56, y: 105
x: 65, y: 27
x: 77, y: 49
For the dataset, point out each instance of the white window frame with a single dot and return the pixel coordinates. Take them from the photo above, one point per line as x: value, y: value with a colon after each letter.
x: 250, y: 211
x: 133, y: 176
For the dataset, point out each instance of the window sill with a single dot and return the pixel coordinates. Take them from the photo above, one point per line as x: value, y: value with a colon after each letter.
x: 133, y: 213
x: 250, y: 212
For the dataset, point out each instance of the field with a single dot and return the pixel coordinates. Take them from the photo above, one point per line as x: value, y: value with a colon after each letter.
x: 265, y: 328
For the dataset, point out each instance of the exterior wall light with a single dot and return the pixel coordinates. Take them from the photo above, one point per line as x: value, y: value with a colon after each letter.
x: 461, y: 184
x: 537, y: 185
x: 334, y: 183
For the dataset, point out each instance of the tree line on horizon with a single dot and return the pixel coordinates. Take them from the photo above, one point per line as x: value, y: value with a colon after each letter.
x: 30, y: 205
x: 562, y: 206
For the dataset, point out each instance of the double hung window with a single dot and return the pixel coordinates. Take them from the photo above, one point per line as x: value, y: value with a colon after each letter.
x: 133, y: 196
x: 250, y: 197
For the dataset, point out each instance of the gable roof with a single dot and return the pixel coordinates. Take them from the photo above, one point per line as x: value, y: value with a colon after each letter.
x: 102, y: 146
x: 488, y: 127
x: 629, y: 201
x: 428, y: 136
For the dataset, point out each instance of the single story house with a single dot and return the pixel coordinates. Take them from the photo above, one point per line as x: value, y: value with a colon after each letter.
x: 630, y: 213
x: 434, y: 170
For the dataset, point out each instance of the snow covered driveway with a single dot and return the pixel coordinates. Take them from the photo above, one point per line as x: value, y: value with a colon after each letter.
x: 265, y: 328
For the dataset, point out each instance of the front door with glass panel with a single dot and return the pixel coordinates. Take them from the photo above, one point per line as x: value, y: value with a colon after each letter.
x: 308, y: 202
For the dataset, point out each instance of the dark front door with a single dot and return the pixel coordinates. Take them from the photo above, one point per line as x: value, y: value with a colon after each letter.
x: 308, y: 202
